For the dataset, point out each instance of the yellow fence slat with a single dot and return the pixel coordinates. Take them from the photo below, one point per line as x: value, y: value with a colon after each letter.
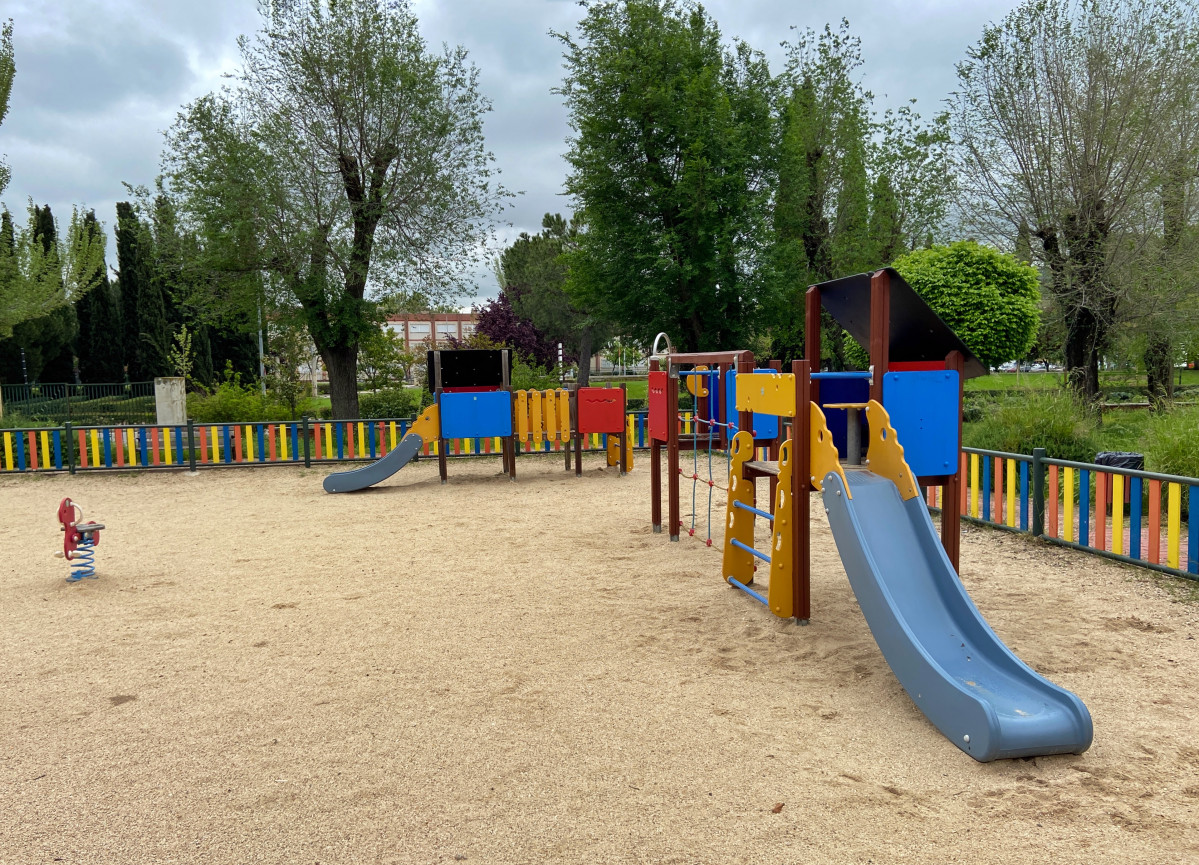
x: 1011, y: 492
x: 1117, y: 513
x: 976, y: 483
x: 1174, y: 523
x: 1068, y: 504
x: 8, y: 452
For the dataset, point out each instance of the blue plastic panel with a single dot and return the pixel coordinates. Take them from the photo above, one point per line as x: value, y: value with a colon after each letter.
x: 833, y: 390
x: 924, y: 410
x: 766, y: 426
x: 476, y: 415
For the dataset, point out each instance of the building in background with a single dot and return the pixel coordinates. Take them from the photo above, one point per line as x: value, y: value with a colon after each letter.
x: 423, y: 331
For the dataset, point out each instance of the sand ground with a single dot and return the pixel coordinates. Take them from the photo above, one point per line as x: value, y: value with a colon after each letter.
x: 497, y: 672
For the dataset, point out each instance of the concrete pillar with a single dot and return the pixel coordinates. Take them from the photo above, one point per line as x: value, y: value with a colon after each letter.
x: 170, y: 401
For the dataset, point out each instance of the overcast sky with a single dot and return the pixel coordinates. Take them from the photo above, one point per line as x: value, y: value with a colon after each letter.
x: 99, y: 80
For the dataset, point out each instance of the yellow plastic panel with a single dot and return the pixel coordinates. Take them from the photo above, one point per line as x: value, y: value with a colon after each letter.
x: 613, y: 451
x: 885, y: 454
x: 780, y: 594
x: 550, y: 415
x: 766, y: 394
x: 536, y: 422
x: 697, y: 385
x: 522, y: 415
x: 427, y: 426
x: 823, y: 452
x: 739, y: 524
x: 564, y: 414
x: 630, y: 436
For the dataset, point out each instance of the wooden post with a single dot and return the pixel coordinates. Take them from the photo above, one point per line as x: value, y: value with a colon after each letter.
x: 951, y: 516
x: 880, y: 330
x: 801, y: 488
x: 624, y: 427
x: 811, y: 340
x: 655, y: 471
x: 672, y: 448
x: 777, y: 366
x: 745, y: 419
x: 571, y: 424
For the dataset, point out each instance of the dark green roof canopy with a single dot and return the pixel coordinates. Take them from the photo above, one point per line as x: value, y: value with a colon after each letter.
x: 917, y: 333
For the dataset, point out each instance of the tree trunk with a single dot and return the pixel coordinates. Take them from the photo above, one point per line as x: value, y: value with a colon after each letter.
x: 584, y: 357
x: 1082, y: 353
x: 1160, y: 369
x: 342, y: 363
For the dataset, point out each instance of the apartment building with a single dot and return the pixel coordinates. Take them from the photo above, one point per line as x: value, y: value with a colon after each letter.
x: 421, y: 332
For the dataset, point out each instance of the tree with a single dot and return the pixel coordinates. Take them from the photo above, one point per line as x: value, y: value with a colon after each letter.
x: 383, y: 360
x: 99, y: 346
x: 500, y: 327
x: 989, y: 299
x: 346, y: 156
x: 532, y: 272
x: 41, y: 271
x: 288, y: 351
x: 1060, y: 117
x: 8, y: 71
x: 852, y: 193
x: 670, y: 168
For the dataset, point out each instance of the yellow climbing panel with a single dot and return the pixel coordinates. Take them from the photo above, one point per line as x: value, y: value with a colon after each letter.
x: 522, y: 415
x: 885, y: 454
x: 697, y: 385
x: 780, y: 596
x: 614, y: 445
x: 550, y: 415
x: 824, y: 452
x: 536, y: 421
x: 563, y: 415
x: 766, y: 394
x: 426, y: 426
x: 739, y: 524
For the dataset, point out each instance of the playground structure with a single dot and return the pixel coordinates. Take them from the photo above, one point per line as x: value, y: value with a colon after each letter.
x: 79, y: 541
x: 953, y: 666
x: 473, y: 398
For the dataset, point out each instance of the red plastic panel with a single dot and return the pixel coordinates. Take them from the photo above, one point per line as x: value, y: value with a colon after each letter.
x: 601, y: 410
x: 658, y: 383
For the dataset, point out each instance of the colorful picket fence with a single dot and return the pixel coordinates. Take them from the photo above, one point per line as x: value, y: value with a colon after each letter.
x: 197, y: 446
x: 1129, y: 515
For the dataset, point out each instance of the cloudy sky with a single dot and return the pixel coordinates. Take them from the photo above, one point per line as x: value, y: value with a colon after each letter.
x: 99, y: 80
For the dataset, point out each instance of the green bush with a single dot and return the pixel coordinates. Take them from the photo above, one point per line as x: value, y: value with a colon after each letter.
x: 233, y: 402
x: 1052, y: 420
x: 393, y: 403
x: 989, y: 299
x: 530, y: 376
x: 1172, y: 443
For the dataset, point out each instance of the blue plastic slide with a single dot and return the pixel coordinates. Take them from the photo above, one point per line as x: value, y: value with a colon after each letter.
x: 960, y: 675
x: 424, y: 430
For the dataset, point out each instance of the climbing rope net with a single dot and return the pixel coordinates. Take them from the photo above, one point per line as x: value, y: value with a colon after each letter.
x: 707, y: 442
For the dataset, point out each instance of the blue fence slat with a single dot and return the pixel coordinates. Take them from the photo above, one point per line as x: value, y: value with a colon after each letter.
x: 20, y: 437
x: 1084, y: 507
x: 295, y: 442
x: 1193, y: 530
x: 1134, y: 517
x: 341, y: 447
x: 372, y: 434
x: 107, y: 448
x: 57, y: 435
x: 986, y: 488
x: 145, y: 450
x: 179, y: 458
x: 260, y: 436
x: 1023, y: 496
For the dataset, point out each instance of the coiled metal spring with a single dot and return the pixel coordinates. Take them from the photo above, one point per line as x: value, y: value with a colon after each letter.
x: 83, y: 561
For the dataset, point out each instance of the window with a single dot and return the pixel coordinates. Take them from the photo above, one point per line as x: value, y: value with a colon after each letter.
x: 468, y: 329
x: 446, y: 328
x: 418, y: 329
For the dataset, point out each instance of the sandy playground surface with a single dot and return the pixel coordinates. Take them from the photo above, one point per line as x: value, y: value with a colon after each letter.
x: 496, y: 672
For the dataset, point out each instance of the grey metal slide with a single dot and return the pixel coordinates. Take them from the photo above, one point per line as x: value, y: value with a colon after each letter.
x: 424, y: 430
x: 958, y: 672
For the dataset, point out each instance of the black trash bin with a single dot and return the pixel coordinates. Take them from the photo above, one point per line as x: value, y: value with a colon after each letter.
x: 1121, y: 460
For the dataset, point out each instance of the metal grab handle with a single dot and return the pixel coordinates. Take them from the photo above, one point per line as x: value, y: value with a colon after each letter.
x: 654, y: 353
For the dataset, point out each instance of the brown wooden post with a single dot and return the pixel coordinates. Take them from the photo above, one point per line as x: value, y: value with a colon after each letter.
x: 745, y: 419
x: 571, y: 424
x: 777, y: 366
x: 672, y: 448
x: 512, y: 446
x: 811, y: 340
x: 578, y: 446
x: 880, y: 330
x: 655, y: 469
x: 801, y: 488
x: 624, y: 427
x: 951, y: 492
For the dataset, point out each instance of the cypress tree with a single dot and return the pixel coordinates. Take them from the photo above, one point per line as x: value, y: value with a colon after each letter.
x: 133, y: 272
x: 99, y: 344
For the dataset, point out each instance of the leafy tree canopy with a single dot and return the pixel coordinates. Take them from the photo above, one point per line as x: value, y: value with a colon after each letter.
x: 989, y: 299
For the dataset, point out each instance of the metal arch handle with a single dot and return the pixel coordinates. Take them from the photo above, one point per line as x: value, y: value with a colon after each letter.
x: 654, y: 353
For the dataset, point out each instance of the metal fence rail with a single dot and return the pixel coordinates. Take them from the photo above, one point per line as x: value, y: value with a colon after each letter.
x: 1137, y: 517
x: 195, y: 446
x: 101, y: 404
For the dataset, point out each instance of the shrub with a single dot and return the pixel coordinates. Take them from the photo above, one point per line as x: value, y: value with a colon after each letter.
x: 233, y: 402
x: 1051, y: 419
x: 1172, y: 443
x: 393, y: 402
x: 529, y: 376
